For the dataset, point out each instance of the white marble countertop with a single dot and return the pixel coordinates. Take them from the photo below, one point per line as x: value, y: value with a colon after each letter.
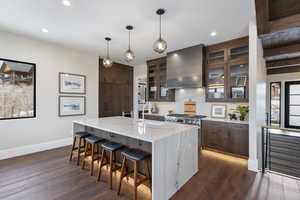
x: 149, y: 131
x: 226, y: 120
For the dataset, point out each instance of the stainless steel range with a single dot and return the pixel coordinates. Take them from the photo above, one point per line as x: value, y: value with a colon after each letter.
x: 185, y: 119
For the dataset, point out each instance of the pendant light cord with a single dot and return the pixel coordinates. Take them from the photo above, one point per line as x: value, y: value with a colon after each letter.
x: 107, y: 49
x: 159, y: 26
x: 129, y: 39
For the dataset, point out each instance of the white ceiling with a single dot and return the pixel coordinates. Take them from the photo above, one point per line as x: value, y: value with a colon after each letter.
x: 85, y: 23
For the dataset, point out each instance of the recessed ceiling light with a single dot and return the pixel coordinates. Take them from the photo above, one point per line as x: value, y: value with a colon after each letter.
x: 213, y: 34
x: 66, y: 2
x: 44, y: 30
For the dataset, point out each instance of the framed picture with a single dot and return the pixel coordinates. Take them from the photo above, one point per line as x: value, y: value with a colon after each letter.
x: 71, y: 106
x: 218, y: 111
x: 17, y: 89
x: 72, y: 83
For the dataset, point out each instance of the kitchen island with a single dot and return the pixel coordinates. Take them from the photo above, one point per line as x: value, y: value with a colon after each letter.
x: 174, y: 147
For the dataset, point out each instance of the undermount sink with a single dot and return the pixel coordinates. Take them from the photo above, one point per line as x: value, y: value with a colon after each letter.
x: 154, y: 123
x: 151, y: 123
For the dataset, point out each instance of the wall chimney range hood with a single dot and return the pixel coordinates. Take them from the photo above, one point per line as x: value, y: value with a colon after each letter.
x: 185, y: 67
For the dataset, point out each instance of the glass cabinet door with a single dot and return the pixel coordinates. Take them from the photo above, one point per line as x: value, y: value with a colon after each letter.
x: 163, y: 91
x: 239, y: 52
x: 239, y: 79
x: 214, y: 57
x: 152, y: 88
x: 216, y: 83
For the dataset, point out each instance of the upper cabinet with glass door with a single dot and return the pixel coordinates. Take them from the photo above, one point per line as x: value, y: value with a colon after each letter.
x: 238, y: 81
x: 157, y: 81
x: 227, y: 71
x: 216, y: 83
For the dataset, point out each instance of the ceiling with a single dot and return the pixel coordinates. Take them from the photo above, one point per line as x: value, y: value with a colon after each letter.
x: 85, y: 23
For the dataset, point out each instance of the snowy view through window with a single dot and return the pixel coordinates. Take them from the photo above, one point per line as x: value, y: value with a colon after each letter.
x: 16, y: 89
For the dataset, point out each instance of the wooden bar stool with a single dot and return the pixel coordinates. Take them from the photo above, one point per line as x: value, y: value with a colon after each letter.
x: 92, y: 146
x: 135, y: 156
x: 111, y: 148
x: 80, y: 148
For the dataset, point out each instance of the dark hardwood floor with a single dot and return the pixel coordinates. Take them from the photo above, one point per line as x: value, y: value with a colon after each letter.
x: 49, y: 175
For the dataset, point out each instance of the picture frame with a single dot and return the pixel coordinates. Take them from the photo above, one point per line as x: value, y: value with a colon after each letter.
x: 72, y: 83
x: 71, y: 106
x: 219, y: 111
x: 18, y: 89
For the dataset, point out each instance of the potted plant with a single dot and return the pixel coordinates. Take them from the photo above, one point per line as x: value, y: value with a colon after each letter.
x: 243, y: 111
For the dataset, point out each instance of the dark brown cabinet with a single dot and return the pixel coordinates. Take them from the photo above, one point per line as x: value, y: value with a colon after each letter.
x: 226, y: 71
x: 226, y: 137
x: 157, y: 81
x: 115, y: 89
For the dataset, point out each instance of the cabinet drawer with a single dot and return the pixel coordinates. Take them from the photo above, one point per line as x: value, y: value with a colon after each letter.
x: 227, y: 137
x: 215, y: 135
x: 239, y: 139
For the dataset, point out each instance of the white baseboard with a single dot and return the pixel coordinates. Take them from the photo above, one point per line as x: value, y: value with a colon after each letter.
x: 24, y: 150
x: 253, y: 165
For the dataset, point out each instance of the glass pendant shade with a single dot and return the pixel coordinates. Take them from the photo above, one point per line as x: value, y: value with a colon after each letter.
x: 160, y: 45
x: 129, y: 55
x: 107, y: 62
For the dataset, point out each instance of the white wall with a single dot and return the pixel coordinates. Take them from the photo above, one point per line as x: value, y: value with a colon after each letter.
x: 50, y: 60
x: 281, y: 78
x: 257, y: 93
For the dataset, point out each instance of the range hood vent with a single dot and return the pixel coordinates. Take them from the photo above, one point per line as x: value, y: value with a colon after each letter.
x: 185, y: 67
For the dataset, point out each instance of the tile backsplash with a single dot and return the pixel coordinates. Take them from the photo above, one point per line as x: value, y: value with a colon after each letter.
x: 198, y: 95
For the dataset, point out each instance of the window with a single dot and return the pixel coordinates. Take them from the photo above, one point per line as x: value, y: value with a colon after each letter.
x: 275, y: 104
x: 17, y: 89
x: 292, y: 104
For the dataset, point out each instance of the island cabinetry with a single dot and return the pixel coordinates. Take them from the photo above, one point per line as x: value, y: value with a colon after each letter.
x: 157, y: 81
x: 173, y: 148
x: 226, y: 137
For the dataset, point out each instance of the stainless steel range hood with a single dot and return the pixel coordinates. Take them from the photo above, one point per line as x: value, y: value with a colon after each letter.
x: 185, y: 67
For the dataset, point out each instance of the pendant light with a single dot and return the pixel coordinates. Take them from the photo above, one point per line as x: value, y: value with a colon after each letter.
x: 160, y: 45
x: 129, y: 55
x: 107, y: 62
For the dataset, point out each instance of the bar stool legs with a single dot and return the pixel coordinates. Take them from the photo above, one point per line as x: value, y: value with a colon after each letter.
x: 73, y: 148
x: 148, y: 172
x: 80, y: 148
x: 135, y: 185
x: 122, y: 173
x: 111, y: 148
x: 134, y: 157
x: 91, y: 143
x: 102, y: 163
x: 90, y: 147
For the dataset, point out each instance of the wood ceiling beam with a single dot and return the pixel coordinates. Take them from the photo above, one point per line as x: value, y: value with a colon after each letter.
x: 283, y: 70
x: 284, y: 23
x: 288, y: 49
x: 284, y: 63
x: 262, y: 16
